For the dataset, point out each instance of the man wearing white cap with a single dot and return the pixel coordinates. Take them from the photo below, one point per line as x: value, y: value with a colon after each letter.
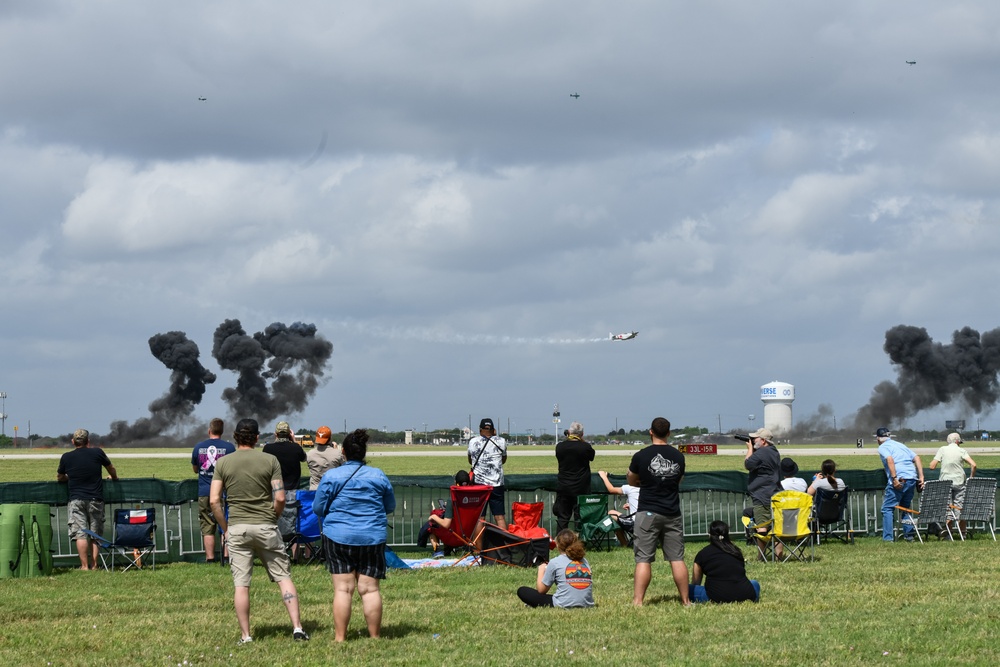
x: 951, y: 457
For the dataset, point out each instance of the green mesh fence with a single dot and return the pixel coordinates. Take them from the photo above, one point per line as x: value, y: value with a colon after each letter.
x: 173, y: 492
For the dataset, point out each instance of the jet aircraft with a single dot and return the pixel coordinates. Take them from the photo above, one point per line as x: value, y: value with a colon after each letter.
x: 623, y: 336
x: 575, y: 96
x: 911, y: 62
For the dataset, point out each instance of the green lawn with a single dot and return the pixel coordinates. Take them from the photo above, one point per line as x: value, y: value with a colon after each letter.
x: 870, y: 603
x: 901, y: 604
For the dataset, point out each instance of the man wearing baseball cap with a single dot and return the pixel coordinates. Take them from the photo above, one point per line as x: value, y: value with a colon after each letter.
x: 763, y: 462
x: 951, y: 457
x: 80, y: 470
x: 905, y: 474
x: 324, y: 456
x: 290, y: 456
x: 252, y: 482
x: 487, y: 453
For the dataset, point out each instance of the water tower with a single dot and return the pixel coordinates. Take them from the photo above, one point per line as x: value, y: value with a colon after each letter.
x: 777, y: 398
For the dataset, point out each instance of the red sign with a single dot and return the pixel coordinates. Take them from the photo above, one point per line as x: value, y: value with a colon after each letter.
x: 699, y: 449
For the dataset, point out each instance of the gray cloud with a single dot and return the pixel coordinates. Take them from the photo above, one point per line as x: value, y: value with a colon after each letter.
x: 761, y: 190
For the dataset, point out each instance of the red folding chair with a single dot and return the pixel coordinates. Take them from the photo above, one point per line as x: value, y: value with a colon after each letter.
x: 527, y: 521
x: 467, y: 504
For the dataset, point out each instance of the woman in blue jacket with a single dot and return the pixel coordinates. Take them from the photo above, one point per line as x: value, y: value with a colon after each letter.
x: 353, y: 501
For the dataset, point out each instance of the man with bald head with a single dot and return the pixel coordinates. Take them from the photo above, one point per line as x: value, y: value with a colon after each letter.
x: 574, y: 456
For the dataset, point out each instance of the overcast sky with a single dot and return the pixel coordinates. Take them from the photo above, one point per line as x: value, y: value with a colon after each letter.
x: 761, y: 189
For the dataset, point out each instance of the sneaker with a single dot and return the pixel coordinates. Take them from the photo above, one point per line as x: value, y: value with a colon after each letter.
x: 245, y: 640
x: 223, y: 561
x: 300, y: 635
x: 437, y: 554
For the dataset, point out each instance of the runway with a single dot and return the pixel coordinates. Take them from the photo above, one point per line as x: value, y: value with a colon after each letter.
x: 459, y: 452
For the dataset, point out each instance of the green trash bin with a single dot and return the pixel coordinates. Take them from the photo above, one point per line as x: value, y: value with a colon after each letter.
x: 37, y: 558
x: 12, y: 540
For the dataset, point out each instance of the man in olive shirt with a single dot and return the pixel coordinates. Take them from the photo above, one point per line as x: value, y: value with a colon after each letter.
x: 256, y: 496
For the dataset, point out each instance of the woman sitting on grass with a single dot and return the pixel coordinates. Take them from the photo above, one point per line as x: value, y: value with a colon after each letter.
x: 569, y: 571
x: 723, y: 564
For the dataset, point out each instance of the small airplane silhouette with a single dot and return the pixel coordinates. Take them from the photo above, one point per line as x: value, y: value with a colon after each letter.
x: 623, y: 336
x: 911, y: 62
x: 575, y: 96
x: 202, y: 99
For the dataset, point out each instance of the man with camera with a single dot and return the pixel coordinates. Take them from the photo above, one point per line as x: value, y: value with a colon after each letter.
x: 763, y: 462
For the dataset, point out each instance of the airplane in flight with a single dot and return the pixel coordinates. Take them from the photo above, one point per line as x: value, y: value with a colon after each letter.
x: 202, y: 99
x: 623, y: 336
x: 575, y: 96
x: 911, y: 62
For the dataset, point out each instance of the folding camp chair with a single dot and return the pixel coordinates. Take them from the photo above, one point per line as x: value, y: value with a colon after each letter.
x: 596, y: 527
x: 791, y: 512
x: 308, y: 531
x: 935, y: 501
x: 790, y: 528
x: 134, y: 539
x: 467, y: 504
x: 526, y: 521
x: 980, y: 503
x: 502, y: 547
x: 833, y: 520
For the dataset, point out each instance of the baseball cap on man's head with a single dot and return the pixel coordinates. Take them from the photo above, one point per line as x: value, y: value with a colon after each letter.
x: 81, y: 435
x: 882, y: 432
x: 954, y: 439
x: 486, y: 423
x: 282, y: 427
x: 323, y: 434
x: 247, y: 426
x: 763, y: 434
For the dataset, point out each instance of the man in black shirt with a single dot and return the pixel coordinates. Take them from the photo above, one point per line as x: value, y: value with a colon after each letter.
x: 574, y: 457
x: 81, y: 470
x: 658, y: 470
x: 290, y: 456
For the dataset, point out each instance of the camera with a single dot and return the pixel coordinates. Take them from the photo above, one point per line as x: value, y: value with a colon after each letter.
x: 744, y: 438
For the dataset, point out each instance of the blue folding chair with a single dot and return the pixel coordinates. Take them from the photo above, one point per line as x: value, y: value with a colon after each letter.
x: 134, y: 539
x: 308, y: 531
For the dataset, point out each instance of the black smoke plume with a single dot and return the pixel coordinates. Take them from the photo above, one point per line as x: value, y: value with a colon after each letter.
x: 188, y: 382
x: 278, y: 369
x: 930, y: 374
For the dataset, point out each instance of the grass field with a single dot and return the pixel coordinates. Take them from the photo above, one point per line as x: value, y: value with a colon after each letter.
x: 871, y: 603
x: 447, y: 460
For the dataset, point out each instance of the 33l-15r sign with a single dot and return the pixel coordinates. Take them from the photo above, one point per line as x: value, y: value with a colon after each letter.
x: 699, y: 449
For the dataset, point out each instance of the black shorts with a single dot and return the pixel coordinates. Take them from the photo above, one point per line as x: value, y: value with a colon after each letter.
x: 368, y: 559
x: 496, y: 504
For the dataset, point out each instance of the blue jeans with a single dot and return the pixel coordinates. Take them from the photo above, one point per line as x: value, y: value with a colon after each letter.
x: 698, y: 594
x: 902, y: 496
